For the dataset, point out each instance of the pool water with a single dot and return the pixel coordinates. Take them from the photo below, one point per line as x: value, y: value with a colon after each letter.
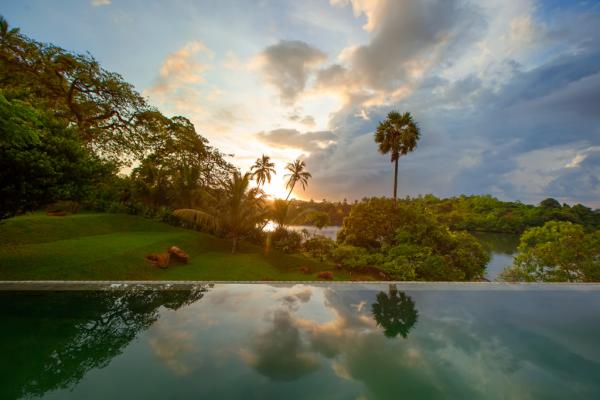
x: 336, y: 341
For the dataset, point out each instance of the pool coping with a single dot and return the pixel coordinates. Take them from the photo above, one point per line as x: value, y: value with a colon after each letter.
x: 58, y: 285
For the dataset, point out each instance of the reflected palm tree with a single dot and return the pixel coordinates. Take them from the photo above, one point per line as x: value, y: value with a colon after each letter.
x: 395, y: 312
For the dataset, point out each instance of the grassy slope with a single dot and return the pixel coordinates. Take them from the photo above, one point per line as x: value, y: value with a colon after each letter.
x: 113, y: 246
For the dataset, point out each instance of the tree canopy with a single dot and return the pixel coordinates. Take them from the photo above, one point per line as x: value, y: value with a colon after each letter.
x: 559, y: 251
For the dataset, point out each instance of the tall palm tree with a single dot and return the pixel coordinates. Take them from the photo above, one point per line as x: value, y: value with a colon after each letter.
x: 240, y: 211
x: 297, y: 174
x: 397, y: 135
x: 262, y: 170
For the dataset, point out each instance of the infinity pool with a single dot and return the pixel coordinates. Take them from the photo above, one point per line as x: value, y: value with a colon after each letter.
x: 336, y: 341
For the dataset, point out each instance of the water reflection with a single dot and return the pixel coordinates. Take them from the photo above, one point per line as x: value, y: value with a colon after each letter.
x: 302, y: 341
x: 51, y: 340
x: 395, y: 312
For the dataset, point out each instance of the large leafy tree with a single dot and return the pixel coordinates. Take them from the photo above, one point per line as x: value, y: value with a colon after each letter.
x: 104, y: 108
x: 408, y: 243
x: 397, y: 135
x: 41, y: 160
x: 262, y: 170
x: 297, y: 173
x: 182, y: 170
x: 239, y: 213
x: 559, y: 251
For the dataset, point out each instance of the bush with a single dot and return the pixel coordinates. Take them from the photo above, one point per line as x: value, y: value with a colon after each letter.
x: 67, y: 206
x: 353, y: 257
x: 319, y: 247
x: 408, y: 243
x: 556, y: 252
x: 286, y: 241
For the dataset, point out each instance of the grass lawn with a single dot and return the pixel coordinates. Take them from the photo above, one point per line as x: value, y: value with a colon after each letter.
x: 112, y: 247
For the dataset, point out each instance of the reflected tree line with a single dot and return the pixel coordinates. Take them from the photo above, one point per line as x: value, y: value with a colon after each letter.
x: 54, y: 339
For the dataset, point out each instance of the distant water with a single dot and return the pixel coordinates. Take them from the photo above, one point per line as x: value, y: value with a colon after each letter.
x: 502, y: 247
x: 329, y: 231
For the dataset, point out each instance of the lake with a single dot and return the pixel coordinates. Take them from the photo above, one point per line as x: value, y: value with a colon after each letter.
x: 330, y: 341
x: 502, y: 247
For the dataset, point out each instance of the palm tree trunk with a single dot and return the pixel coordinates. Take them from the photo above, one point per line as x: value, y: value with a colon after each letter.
x: 395, y: 179
x: 288, y: 196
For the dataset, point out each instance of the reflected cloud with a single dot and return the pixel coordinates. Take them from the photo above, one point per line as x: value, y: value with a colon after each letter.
x: 279, y: 353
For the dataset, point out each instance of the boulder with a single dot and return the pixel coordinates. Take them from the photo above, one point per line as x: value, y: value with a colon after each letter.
x: 178, y: 254
x: 160, y: 260
x: 325, y: 275
x: 305, y: 270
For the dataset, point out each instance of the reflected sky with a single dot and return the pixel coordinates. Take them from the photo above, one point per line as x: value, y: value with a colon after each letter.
x: 303, y: 341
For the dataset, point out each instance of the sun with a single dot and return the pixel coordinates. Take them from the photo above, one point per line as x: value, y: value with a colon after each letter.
x: 276, y: 188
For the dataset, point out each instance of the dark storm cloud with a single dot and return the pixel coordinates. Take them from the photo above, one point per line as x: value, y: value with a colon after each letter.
x: 478, y: 133
x: 287, y: 65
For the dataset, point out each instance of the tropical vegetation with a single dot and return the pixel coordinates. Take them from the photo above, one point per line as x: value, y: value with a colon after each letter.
x: 76, y: 136
x: 559, y: 251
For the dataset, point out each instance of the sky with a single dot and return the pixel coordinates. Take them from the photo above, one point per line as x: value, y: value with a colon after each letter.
x: 506, y: 92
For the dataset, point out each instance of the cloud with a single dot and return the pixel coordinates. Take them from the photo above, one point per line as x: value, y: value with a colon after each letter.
x: 181, y: 69
x: 99, y: 3
x: 307, y: 141
x: 287, y: 66
x: 499, y: 94
x: 307, y: 120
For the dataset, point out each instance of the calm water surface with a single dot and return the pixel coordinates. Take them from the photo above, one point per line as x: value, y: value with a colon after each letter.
x: 413, y: 341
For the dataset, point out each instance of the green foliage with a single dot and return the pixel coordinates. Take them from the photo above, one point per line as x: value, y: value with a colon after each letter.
x: 102, y: 106
x: 286, y: 240
x: 319, y: 247
x: 556, y: 252
x: 488, y: 214
x: 353, y: 257
x: 550, y: 203
x: 335, y: 210
x: 183, y: 171
x: 67, y: 206
x: 41, y: 160
x: 408, y: 243
x: 397, y: 135
x: 238, y: 213
x: 373, y: 223
x: 62, y: 113
x: 320, y: 219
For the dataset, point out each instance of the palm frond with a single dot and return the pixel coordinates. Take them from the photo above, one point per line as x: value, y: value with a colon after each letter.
x: 197, y: 218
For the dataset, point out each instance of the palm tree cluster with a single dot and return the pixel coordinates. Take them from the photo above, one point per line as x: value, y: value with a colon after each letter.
x: 242, y: 209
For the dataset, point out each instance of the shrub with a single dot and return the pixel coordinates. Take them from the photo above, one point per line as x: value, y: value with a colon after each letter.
x: 319, y: 247
x: 556, y: 252
x: 354, y: 257
x: 408, y: 243
x: 71, y: 207
x: 286, y: 241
